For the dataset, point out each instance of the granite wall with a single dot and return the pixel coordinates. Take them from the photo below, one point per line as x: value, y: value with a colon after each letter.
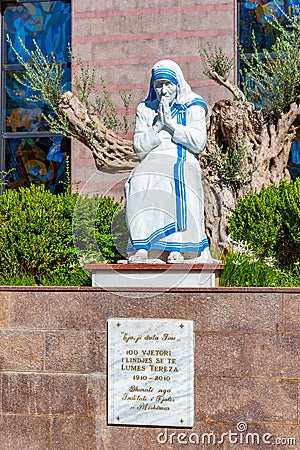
x: 53, y: 368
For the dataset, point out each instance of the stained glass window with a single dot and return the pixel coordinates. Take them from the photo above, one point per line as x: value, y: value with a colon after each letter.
x: 20, y: 114
x: 28, y: 148
x: 37, y: 160
x: 256, y: 16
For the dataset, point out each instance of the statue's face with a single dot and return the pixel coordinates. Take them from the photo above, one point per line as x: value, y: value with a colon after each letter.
x: 165, y: 90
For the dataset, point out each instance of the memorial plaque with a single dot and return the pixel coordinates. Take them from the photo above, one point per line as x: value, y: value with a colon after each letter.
x: 151, y: 372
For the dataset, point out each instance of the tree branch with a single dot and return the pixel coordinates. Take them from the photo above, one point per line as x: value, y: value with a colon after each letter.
x: 235, y: 90
x: 111, y: 152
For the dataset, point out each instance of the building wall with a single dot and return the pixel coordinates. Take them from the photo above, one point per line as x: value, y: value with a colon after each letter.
x: 53, y: 365
x: 123, y: 39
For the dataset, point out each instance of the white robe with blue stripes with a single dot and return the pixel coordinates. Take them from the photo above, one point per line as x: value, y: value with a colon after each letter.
x: 164, y: 194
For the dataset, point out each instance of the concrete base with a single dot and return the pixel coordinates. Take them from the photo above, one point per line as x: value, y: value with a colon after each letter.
x: 155, y: 275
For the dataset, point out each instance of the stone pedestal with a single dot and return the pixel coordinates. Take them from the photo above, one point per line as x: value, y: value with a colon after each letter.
x: 155, y: 275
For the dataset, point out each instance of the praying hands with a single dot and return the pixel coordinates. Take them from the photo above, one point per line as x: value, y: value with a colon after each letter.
x: 164, y: 116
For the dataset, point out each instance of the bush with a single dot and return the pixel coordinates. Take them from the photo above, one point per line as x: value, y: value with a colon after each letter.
x: 270, y: 222
x: 93, y: 220
x: 244, y: 268
x: 36, y: 237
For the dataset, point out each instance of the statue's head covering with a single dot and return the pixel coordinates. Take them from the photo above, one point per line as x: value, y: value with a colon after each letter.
x: 169, y: 70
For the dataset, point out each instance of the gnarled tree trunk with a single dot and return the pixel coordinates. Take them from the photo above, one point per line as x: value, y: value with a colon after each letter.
x: 266, y: 144
x: 111, y: 152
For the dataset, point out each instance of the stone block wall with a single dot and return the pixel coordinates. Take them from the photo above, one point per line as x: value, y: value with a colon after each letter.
x: 53, y: 368
x: 123, y: 39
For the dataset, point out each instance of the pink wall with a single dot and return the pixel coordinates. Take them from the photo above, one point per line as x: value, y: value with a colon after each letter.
x: 53, y: 365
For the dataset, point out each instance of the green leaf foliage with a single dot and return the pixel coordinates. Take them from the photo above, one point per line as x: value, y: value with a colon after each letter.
x: 229, y: 163
x: 93, y: 231
x: 36, y: 237
x: 270, y: 222
x: 242, y: 269
x: 44, y: 76
x: 215, y: 60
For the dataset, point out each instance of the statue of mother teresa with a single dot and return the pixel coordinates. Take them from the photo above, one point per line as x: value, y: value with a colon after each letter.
x: 164, y: 194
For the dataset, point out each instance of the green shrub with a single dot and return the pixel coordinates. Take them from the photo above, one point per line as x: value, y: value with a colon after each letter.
x: 36, y: 236
x: 270, y: 222
x: 93, y: 231
x: 112, y: 231
x: 244, y: 268
x: 18, y: 280
x: 289, y: 239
